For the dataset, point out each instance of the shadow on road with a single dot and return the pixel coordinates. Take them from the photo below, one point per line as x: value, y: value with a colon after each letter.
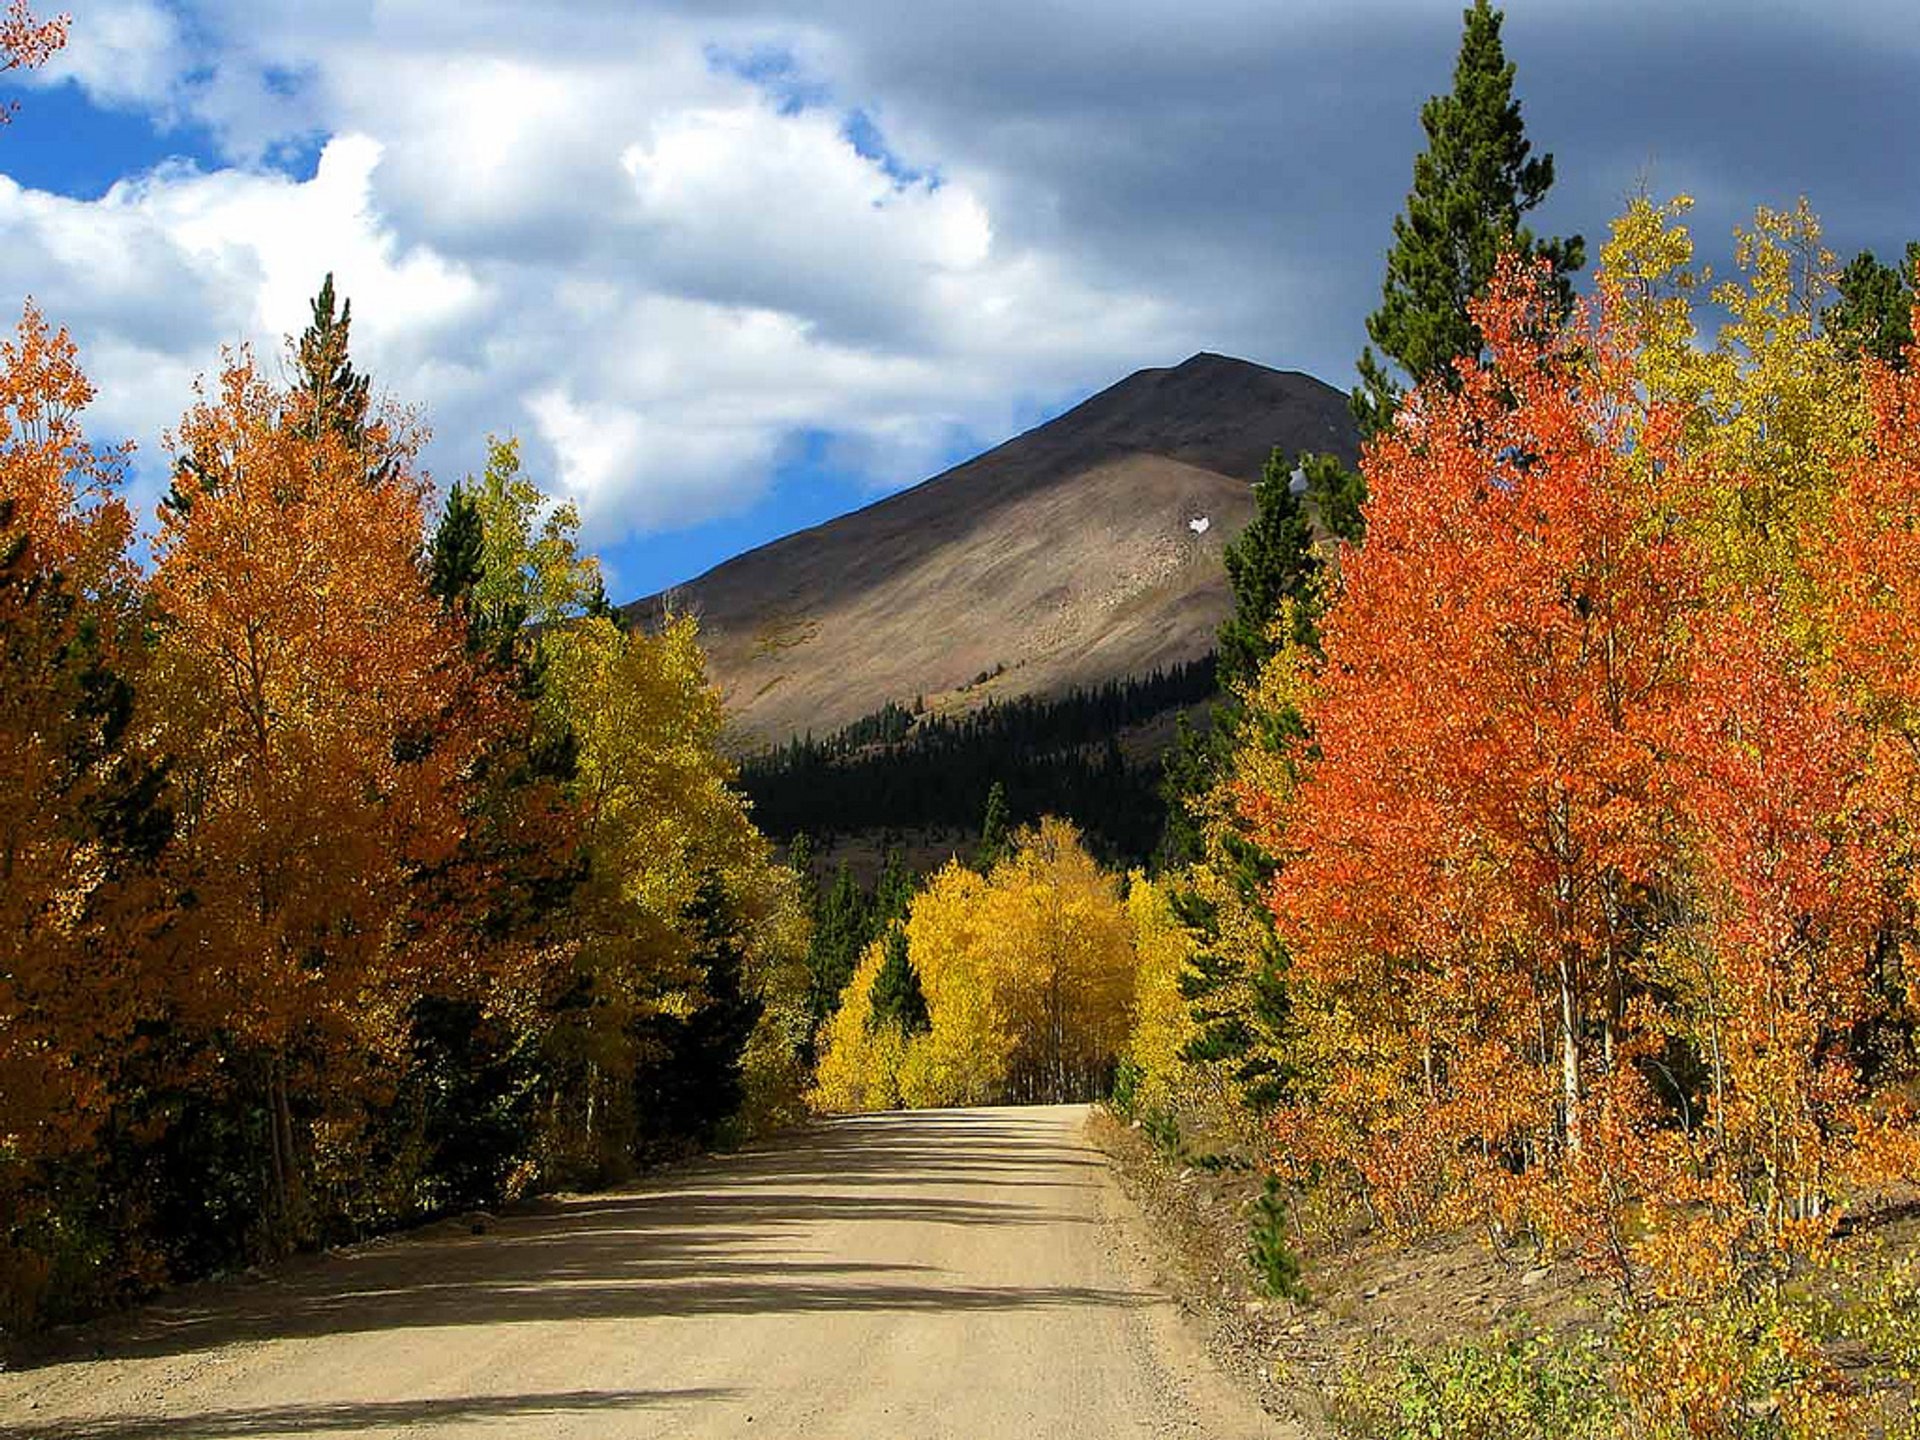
x: 318, y: 1419
x: 736, y: 1235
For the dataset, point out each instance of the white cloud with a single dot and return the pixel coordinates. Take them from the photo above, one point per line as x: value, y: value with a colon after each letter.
x: 639, y: 233
x: 122, y: 52
x: 164, y: 268
x: 646, y: 264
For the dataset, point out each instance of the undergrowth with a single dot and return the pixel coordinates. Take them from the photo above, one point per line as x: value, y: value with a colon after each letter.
x: 1509, y: 1386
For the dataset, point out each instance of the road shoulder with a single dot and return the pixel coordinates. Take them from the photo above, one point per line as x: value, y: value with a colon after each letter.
x: 1193, y: 1340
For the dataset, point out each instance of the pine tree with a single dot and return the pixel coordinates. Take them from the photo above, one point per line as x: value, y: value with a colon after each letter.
x: 897, y: 997
x: 993, y: 830
x: 1271, y: 561
x: 842, y: 928
x: 337, y: 395
x: 1238, y: 994
x: 597, y: 605
x: 800, y: 861
x: 1187, y: 771
x: 457, y: 557
x: 1338, y: 495
x: 892, y: 892
x: 689, y: 1079
x: 1874, y: 315
x: 1471, y: 187
x: 472, y: 1079
x: 1239, y: 1003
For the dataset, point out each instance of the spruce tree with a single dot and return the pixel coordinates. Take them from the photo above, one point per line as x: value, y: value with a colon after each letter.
x: 1874, y: 314
x: 1187, y: 771
x: 897, y: 998
x: 1238, y: 998
x: 329, y: 393
x: 893, y: 891
x: 458, y: 555
x: 469, y: 1090
x: 337, y: 396
x: 993, y: 830
x: 1239, y: 1004
x: 1271, y: 561
x: 800, y: 862
x: 1475, y: 181
x: 842, y: 927
x: 689, y: 1079
x: 1338, y: 496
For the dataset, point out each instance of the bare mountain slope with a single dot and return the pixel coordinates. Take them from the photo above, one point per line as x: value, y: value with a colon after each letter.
x: 1067, y: 556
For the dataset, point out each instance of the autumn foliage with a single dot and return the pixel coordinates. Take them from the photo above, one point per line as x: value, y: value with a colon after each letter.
x: 1028, y: 980
x: 79, y: 915
x: 349, y: 875
x: 27, y: 43
x: 1594, y: 859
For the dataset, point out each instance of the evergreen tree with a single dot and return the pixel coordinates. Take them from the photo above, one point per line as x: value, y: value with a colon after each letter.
x: 1338, y: 495
x: 887, y: 771
x: 892, y: 892
x: 1874, y: 314
x: 328, y: 394
x: 800, y: 861
x: 689, y: 1080
x: 1187, y: 771
x: 471, y: 1086
x: 598, y: 606
x: 335, y: 395
x: 993, y: 830
x: 457, y: 558
x: 53, y: 655
x: 1471, y: 187
x: 1271, y: 561
x: 897, y: 998
x: 1238, y: 998
x: 842, y: 927
x: 1239, y: 1006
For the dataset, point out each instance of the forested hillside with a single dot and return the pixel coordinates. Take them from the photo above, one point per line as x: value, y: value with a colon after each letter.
x: 903, y: 769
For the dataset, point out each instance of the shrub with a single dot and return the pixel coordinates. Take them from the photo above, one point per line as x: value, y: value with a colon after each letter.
x: 1511, y: 1387
x: 1270, y: 1245
x: 1163, y: 1129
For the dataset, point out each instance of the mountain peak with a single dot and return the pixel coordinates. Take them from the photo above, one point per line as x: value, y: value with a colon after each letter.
x: 1085, y: 550
x: 1214, y: 360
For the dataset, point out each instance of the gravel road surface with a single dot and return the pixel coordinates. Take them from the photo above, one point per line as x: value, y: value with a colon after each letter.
x: 967, y: 1273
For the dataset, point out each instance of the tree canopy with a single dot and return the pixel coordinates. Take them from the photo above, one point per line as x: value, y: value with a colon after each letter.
x: 1472, y: 187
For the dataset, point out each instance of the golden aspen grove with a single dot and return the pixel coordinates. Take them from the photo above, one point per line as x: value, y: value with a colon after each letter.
x: 1027, y: 976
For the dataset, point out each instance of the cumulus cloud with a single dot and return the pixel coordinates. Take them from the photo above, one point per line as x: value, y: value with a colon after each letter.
x: 122, y: 52
x: 166, y: 267
x: 663, y: 241
x: 651, y: 264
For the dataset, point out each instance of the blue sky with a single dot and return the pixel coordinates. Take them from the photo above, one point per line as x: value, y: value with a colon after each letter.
x: 731, y: 268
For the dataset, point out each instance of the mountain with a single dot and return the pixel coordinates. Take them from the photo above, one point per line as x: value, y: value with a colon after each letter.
x: 1085, y: 550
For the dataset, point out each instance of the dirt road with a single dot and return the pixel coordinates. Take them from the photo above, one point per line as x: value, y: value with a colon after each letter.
x: 958, y: 1273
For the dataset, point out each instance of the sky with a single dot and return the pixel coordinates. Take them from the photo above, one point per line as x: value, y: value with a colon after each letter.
x: 728, y: 269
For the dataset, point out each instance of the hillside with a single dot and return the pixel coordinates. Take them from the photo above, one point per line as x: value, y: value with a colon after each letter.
x: 1065, y: 557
